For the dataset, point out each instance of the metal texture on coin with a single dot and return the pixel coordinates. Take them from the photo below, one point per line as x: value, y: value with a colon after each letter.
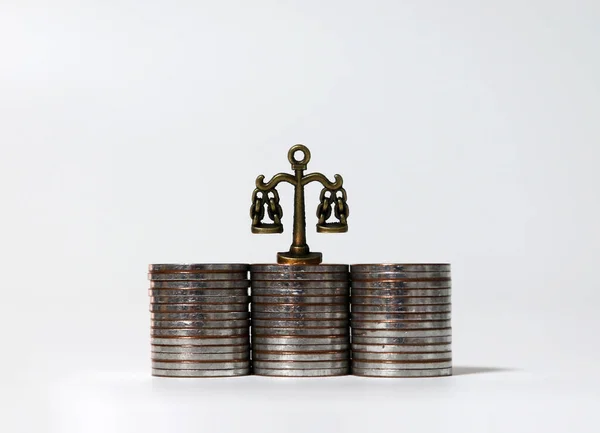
x: 198, y: 285
x: 299, y: 347
x: 298, y: 276
x: 404, y: 365
x: 399, y: 300
x: 300, y: 331
x: 278, y: 268
x: 199, y: 365
x: 300, y: 299
x: 280, y: 339
x: 201, y: 292
x: 400, y: 267
x: 300, y: 323
x: 301, y: 356
x: 369, y: 356
x: 201, y: 373
x: 341, y: 291
x: 401, y: 316
x: 300, y: 285
x: 223, y: 315
x: 200, y: 324
x: 200, y: 341
x: 396, y: 324
x: 200, y: 299
x: 205, y: 332
x: 198, y: 267
x: 209, y: 276
x: 403, y: 294
x: 294, y: 365
x: 300, y: 316
x: 301, y: 372
x: 404, y: 348
x: 187, y: 356
x: 375, y: 276
x: 378, y: 308
x: 402, y: 333
x: 299, y: 308
x: 400, y: 340
x: 202, y: 349
x: 370, y: 372
x: 408, y: 285
x: 198, y: 308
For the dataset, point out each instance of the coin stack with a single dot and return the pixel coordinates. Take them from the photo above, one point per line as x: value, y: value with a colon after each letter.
x: 199, y: 320
x: 401, y: 320
x: 300, y: 320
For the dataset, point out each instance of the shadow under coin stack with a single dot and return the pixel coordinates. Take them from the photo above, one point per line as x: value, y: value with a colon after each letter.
x: 300, y: 320
x: 199, y: 320
x: 401, y: 320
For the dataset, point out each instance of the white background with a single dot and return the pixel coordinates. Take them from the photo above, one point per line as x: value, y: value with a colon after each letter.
x: 466, y: 131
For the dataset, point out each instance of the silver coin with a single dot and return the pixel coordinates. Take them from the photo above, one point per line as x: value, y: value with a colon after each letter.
x: 341, y: 291
x: 279, y: 339
x: 201, y: 332
x: 301, y: 356
x: 370, y: 372
x: 300, y: 316
x: 433, y: 308
x: 300, y: 323
x: 299, y: 347
x: 408, y: 285
x: 389, y: 365
x: 300, y: 299
x: 300, y: 285
x: 201, y: 324
x: 200, y: 316
x: 400, y: 340
x: 207, y: 293
x: 270, y: 268
x: 297, y: 276
x: 400, y: 267
x: 217, y: 357
x: 369, y: 356
x: 198, y: 267
x: 362, y: 324
x: 240, y: 349
x: 411, y: 276
x: 399, y: 300
x: 405, y: 295
x: 208, y: 276
x: 402, y: 332
x: 299, y: 308
x: 199, y: 341
x: 296, y: 365
x: 199, y: 299
x: 302, y: 372
x: 201, y: 373
x: 198, y: 308
x: 199, y: 365
x: 401, y: 316
x: 257, y: 331
x: 197, y: 285
x: 391, y: 348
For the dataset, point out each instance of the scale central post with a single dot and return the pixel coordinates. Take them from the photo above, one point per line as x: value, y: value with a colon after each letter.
x: 333, y: 197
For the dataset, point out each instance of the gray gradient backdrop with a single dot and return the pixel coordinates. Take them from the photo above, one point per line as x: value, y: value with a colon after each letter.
x: 132, y: 132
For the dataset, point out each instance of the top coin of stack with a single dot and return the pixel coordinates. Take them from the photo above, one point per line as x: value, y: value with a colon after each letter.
x: 300, y: 320
x: 199, y: 320
x: 401, y: 320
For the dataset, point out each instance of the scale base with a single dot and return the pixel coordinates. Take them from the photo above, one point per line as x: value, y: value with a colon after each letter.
x: 288, y: 258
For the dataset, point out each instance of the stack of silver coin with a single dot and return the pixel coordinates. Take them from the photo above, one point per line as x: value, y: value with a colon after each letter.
x: 401, y: 320
x: 199, y: 320
x: 300, y: 320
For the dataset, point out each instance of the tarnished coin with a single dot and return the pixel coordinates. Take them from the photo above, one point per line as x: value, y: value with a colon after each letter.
x: 372, y: 372
x: 401, y: 316
x: 294, y: 365
x: 370, y: 356
x: 300, y: 323
x: 198, y: 267
x: 410, y: 276
x: 300, y: 316
x: 433, y: 308
x: 389, y: 348
x: 201, y: 316
x: 299, y: 347
x: 299, y: 331
x: 404, y: 365
x: 343, y: 355
x: 198, y: 285
x: 272, y: 268
x: 198, y: 308
x: 298, y: 276
x: 200, y: 365
x: 280, y: 339
x: 401, y: 332
x: 404, y: 295
x: 201, y: 332
x: 399, y: 300
x: 202, y: 292
x: 389, y: 324
x: 389, y: 284
x: 301, y: 372
x: 200, y: 299
x: 400, y: 340
x: 400, y: 267
x: 300, y: 299
x: 217, y: 357
x: 300, y: 285
x: 240, y: 349
x: 201, y: 373
x: 340, y: 291
x: 299, y: 308
x: 185, y: 276
x: 199, y: 324
x: 200, y: 341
